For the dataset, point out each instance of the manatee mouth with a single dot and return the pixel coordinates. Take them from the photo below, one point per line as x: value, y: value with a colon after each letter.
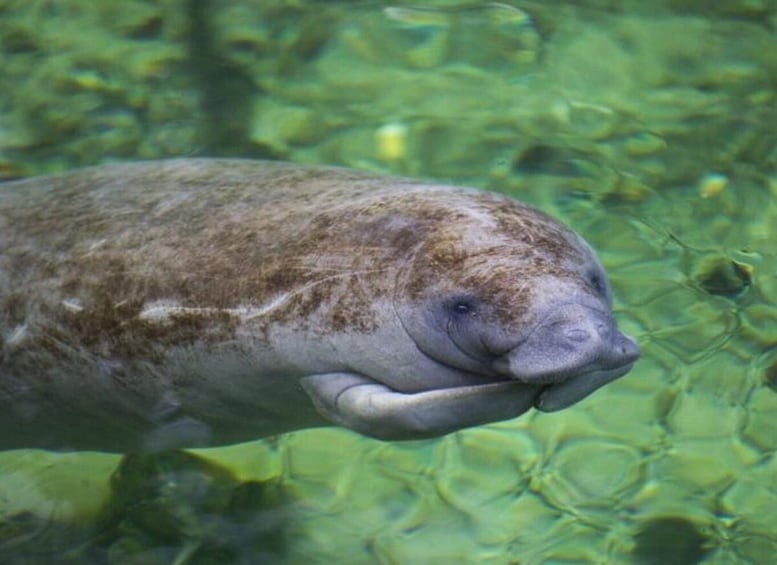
x: 562, y: 395
x: 572, y: 353
x: 558, y: 367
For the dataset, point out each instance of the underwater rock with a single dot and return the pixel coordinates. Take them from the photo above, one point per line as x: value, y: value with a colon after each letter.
x: 723, y: 277
x: 669, y: 541
x: 770, y: 376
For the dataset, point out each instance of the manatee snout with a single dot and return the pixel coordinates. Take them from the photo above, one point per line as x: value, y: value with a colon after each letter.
x: 574, y: 350
x: 625, y: 350
x: 593, y: 339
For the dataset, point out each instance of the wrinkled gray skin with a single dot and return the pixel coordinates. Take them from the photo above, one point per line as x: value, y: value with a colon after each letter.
x: 201, y: 302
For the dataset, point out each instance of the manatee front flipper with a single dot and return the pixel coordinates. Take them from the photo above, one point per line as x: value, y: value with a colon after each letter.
x: 375, y: 410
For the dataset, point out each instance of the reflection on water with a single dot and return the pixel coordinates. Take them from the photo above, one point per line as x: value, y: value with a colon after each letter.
x: 649, y: 131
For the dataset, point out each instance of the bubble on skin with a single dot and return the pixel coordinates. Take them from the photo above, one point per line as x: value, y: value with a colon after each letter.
x: 17, y: 336
x: 72, y: 305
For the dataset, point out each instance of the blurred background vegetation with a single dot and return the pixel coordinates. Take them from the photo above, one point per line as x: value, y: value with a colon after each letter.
x: 649, y: 127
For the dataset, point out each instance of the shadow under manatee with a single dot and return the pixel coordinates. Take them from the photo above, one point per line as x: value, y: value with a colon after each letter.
x: 226, y: 93
x: 171, y: 508
x: 175, y: 507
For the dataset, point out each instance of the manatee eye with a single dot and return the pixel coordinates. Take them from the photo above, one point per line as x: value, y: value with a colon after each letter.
x: 597, y: 283
x: 461, y: 306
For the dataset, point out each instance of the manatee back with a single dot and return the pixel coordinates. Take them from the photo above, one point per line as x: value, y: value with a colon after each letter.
x: 89, y: 258
x: 165, y: 230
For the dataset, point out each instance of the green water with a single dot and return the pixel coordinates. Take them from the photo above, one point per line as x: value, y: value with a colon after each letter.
x: 651, y: 128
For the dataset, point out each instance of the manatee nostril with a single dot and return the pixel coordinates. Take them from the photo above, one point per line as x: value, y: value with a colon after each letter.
x: 629, y: 348
x: 604, y: 329
x: 577, y: 334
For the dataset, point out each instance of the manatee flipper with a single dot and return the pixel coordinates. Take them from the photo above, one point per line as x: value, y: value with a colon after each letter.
x: 375, y: 410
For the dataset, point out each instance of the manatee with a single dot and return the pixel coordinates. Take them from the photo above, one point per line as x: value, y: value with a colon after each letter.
x: 204, y: 302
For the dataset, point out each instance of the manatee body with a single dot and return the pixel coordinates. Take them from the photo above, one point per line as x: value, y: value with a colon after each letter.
x: 199, y: 302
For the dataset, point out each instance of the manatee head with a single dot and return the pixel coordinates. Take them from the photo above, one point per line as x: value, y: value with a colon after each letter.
x: 503, y: 291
